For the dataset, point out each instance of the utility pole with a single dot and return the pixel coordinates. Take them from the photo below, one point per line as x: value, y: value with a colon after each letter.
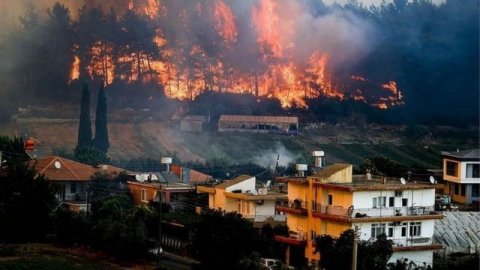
x: 355, y: 248
x: 159, y: 248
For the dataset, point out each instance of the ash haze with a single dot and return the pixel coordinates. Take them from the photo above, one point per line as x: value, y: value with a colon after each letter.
x: 370, y: 2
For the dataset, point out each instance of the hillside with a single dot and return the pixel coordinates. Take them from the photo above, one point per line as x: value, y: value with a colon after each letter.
x: 342, y: 142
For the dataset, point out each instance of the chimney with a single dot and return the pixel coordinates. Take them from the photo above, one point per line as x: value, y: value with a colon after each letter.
x: 301, y: 169
x: 319, y: 157
x: 167, y: 161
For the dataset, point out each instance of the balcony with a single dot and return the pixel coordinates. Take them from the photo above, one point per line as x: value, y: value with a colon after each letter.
x: 295, y: 238
x: 342, y: 214
x: 298, y: 207
x: 414, y: 243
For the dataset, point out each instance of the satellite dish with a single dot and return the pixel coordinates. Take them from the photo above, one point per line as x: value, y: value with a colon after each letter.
x: 58, y: 165
x: 432, y: 180
x: 267, y: 184
x: 403, y: 181
x: 263, y: 191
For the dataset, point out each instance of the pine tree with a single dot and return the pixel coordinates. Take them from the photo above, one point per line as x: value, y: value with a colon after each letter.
x: 84, y: 139
x: 101, y: 132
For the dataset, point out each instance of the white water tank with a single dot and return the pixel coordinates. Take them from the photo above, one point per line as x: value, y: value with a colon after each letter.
x: 167, y: 161
x: 301, y: 169
x: 319, y: 157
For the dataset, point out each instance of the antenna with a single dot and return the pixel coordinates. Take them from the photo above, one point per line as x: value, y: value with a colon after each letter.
x: 403, y: 181
x: 432, y: 180
x: 58, y: 165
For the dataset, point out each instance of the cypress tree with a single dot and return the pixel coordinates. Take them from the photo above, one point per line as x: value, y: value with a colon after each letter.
x: 101, y: 132
x: 84, y: 139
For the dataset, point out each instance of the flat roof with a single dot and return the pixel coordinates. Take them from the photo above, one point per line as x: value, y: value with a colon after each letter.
x: 257, y: 119
x: 372, y: 185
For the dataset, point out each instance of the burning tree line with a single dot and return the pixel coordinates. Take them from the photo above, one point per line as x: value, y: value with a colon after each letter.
x: 293, y: 51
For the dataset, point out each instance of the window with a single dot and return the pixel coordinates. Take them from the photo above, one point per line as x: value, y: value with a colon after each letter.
x: 404, y: 202
x: 404, y: 229
x: 391, y: 202
x: 415, y: 228
x: 463, y: 189
x: 452, y: 168
x: 143, y: 195
x: 457, y: 189
x: 390, y: 230
x: 314, y: 205
x: 330, y: 199
x: 475, y: 190
x: 473, y: 170
x: 377, y: 229
x: 379, y: 201
x: 73, y: 187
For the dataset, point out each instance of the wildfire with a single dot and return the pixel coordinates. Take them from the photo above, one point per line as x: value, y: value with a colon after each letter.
x: 186, y: 69
x: 75, y: 71
x: 225, y: 22
x: 392, y: 86
x: 266, y: 21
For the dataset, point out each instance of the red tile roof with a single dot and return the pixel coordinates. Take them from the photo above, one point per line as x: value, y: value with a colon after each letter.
x: 69, y: 170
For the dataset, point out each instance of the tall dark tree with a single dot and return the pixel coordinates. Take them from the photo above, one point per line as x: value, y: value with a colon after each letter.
x: 84, y: 129
x: 337, y: 253
x: 25, y: 197
x: 101, y: 133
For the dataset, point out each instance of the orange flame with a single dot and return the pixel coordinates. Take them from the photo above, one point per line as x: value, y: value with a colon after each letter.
x: 75, y: 71
x: 266, y: 22
x: 187, y: 71
x: 225, y: 22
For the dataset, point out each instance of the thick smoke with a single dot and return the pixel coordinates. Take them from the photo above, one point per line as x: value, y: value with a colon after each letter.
x: 269, y: 157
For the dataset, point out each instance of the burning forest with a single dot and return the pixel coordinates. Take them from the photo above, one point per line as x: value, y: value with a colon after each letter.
x: 293, y: 52
x: 275, y: 49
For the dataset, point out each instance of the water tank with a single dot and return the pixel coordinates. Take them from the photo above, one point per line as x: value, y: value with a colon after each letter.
x: 319, y: 157
x: 167, y: 161
x: 301, y: 169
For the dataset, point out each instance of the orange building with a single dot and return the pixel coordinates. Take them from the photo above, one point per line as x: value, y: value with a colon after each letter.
x: 332, y: 201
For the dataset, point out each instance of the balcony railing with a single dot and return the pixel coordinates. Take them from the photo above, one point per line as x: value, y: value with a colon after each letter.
x: 349, y: 213
x: 295, y: 206
x: 294, y: 238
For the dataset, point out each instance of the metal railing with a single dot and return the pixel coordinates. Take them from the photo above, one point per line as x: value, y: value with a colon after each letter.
x: 373, y: 212
x: 295, y: 204
x: 412, y: 241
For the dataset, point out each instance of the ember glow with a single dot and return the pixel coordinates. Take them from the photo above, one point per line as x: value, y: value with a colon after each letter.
x: 213, y: 45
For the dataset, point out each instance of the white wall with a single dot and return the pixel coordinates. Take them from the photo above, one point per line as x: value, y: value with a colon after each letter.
x: 463, y: 176
x: 427, y: 229
x: 422, y: 197
x: 267, y: 209
x: 248, y: 184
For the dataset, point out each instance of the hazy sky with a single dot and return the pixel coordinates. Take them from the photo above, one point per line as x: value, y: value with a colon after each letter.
x: 369, y: 2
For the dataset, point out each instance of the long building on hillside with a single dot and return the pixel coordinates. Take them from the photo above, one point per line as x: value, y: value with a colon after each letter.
x: 258, y: 124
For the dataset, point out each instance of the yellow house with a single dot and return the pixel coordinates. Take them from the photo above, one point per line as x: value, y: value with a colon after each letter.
x: 241, y: 195
x: 332, y: 201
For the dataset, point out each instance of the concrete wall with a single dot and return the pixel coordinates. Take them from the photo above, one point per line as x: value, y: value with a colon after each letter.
x: 248, y: 184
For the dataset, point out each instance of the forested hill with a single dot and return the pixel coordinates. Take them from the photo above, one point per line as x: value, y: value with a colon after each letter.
x: 430, y: 51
